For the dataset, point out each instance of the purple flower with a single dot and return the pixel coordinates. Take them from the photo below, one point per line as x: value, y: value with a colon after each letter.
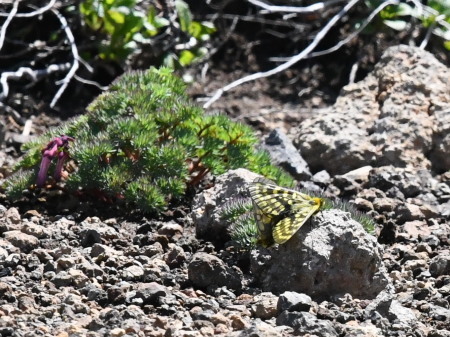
x: 62, y: 156
x: 57, y: 147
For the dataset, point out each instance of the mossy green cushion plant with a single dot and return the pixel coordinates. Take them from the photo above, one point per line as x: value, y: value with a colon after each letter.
x: 144, y: 141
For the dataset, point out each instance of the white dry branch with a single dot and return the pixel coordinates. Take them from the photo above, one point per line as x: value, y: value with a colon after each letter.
x: 288, y: 63
x: 75, y: 64
x: 33, y: 74
x: 38, y: 11
x: 308, y: 52
x: 293, y: 9
x: 7, y: 22
x: 36, y: 74
x: 343, y: 42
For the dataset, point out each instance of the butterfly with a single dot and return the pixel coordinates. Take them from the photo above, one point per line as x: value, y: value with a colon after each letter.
x: 280, y: 212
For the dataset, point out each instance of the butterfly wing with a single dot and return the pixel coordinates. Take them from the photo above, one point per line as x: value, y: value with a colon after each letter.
x: 267, y: 208
x: 279, y: 212
x: 288, y: 226
x: 264, y: 224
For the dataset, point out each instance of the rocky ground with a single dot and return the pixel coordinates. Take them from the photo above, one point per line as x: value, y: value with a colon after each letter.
x: 384, y: 145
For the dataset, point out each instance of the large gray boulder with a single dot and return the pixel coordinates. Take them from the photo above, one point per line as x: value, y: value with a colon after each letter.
x: 398, y: 115
x: 328, y: 257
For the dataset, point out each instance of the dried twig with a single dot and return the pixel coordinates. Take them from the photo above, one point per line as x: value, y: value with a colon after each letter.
x: 95, y: 84
x: 75, y: 64
x: 290, y: 62
x: 39, y: 11
x: 36, y: 74
x: 33, y: 74
x: 7, y: 22
x: 348, y: 38
x: 293, y: 9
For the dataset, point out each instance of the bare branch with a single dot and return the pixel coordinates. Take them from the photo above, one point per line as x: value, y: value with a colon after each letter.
x: 290, y: 62
x: 353, y: 72
x: 293, y: 9
x: 39, y: 11
x: 348, y: 38
x: 95, y: 84
x: 33, y: 74
x: 75, y: 65
x: 7, y: 22
x: 14, y: 114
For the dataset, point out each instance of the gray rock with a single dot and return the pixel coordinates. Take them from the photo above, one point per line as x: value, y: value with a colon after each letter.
x: 206, y: 205
x: 175, y: 256
x: 292, y: 301
x: 350, y: 182
x: 95, y: 294
x: 439, y: 333
x: 25, y: 242
x: 2, y: 134
x: 359, y: 175
x: 66, y: 262
x: 3, y: 254
x: 206, y: 270
x: 440, y: 265
x: 103, y: 250
x: 371, y: 124
x: 408, y: 212
x: 364, y: 330
x: 36, y: 230
x: 405, y: 179
x: 283, y: 153
x: 171, y: 229
x: 89, y: 237
x: 439, y: 313
x: 12, y: 260
x: 441, y: 138
x: 390, y: 308
x: 150, y: 292
x: 265, y: 306
x: 260, y: 329
x: 10, y: 219
x: 13, y: 216
x: 133, y: 273
x: 385, y: 204
x: 331, y: 256
x: 321, y: 178
x: 414, y: 229
x: 8, y: 246
x: 401, y: 314
x: 94, y: 231
x: 79, y: 280
x: 153, y: 249
x: 306, y: 323
x: 62, y: 279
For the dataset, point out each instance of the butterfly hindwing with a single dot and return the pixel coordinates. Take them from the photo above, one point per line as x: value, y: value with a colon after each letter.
x: 288, y: 226
x: 280, y: 212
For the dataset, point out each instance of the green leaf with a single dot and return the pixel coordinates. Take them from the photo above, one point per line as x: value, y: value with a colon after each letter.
x: 201, y: 31
x: 447, y: 45
x: 396, y: 24
x: 186, y: 57
x: 184, y: 15
x: 441, y: 6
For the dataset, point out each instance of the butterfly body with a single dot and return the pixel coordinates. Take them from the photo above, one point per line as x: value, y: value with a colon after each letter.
x: 280, y: 212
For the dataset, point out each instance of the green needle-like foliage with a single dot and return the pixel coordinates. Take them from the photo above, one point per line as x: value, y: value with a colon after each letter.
x: 144, y: 141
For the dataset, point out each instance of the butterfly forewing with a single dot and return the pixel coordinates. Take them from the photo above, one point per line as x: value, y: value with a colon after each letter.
x: 280, y: 212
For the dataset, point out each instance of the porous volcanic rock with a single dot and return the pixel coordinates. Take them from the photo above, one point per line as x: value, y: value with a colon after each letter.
x: 331, y: 256
x: 398, y: 115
